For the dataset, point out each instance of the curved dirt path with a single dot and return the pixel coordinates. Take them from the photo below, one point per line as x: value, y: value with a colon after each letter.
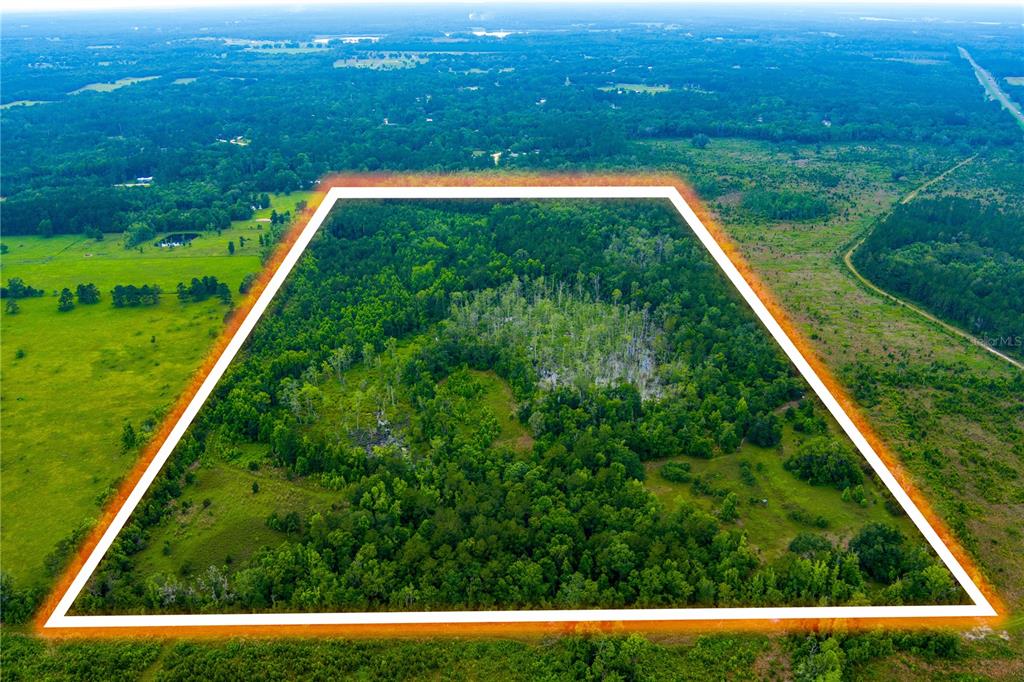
x: 848, y: 261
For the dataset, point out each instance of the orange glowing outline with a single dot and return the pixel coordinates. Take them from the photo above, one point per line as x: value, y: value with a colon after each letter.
x: 515, y: 629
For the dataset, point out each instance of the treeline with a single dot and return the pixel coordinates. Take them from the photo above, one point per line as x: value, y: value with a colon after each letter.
x: 593, y: 657
x: 64, y: 163
x: 785, y: 205
x: 202, y: 289
x: 122, y: 295
x: 140, y: 212
x: 17, y: 288
x: 959, y: 258
x: 129, y: 295
x: 432, y: 511
x: 88, y: 294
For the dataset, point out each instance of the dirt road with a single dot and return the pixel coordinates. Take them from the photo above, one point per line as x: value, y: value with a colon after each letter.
x: 848, y: 260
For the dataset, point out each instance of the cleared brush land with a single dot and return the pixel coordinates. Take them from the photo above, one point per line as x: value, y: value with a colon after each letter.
x: 111, y: 86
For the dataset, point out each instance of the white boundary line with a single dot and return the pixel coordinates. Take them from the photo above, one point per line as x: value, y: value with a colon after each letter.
x: 59, y: 618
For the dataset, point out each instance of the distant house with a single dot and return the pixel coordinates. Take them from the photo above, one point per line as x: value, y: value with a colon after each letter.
x: 144, y: 179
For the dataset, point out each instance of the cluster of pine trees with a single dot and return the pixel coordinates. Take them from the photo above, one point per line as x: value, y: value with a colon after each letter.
x: 957, y: 257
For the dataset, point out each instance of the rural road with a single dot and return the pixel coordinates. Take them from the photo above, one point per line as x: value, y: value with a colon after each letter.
x: 991, y: 86
x: 848, y: 260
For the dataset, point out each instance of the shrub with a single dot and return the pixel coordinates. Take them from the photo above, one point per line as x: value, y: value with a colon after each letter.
x: 879, y: 548
x: 677, y: 472
x: 823, y: 461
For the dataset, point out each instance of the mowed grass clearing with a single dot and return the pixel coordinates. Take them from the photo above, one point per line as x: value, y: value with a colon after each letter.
x: 23, y: 103
x: 497, y: 398
x: 67, y: 260
x: 111, y: 86
x: 86, y: 372
x: 220, y: 521
x: 768, y: 505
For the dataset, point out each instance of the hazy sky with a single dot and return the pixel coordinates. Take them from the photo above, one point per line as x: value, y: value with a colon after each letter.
x: 64, y: 5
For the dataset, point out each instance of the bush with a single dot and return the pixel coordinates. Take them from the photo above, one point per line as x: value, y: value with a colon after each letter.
x: 765, y: 431
x: 728, y: 512
x: 16, y: 605
x: 677, y: 472
x: 88, y: 293
x: 16, y: 288
x: 809, y: 544
x: 823, y: 461
x: 879, y: 548
x: 786, y: 205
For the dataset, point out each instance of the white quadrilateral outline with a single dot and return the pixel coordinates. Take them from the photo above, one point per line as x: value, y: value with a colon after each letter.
x: 59, y: 618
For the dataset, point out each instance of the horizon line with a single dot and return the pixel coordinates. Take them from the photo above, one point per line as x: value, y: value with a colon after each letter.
x: 41, y: 7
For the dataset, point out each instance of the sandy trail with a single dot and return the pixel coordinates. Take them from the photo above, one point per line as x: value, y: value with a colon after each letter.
x: 848, y: 260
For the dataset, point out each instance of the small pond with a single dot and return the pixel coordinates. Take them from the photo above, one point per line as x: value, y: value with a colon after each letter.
x: 177, y: 239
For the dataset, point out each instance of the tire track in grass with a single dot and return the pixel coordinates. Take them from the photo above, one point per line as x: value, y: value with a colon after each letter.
x: 848, y: 261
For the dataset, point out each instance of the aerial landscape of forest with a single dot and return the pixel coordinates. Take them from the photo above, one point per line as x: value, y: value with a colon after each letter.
x: 484, y: 418
x: 513, y: 404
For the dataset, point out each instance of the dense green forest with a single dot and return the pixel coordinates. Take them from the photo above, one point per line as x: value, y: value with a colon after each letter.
x: 621, y: 342
x: 798, y: 128
x: 224, y: 117
x: 957, y: 257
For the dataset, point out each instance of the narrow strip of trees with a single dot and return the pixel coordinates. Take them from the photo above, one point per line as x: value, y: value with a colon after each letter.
x: 200, y: 289
x: 129, y: 295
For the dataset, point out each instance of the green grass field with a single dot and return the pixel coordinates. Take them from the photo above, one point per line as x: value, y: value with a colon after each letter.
x: 86, y: 372
x: 23, y: 103
x: 233, y: 525
x: 67, y: 260
x: 115, y: 85
x: 767, y: 505
x: 497, y: 398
